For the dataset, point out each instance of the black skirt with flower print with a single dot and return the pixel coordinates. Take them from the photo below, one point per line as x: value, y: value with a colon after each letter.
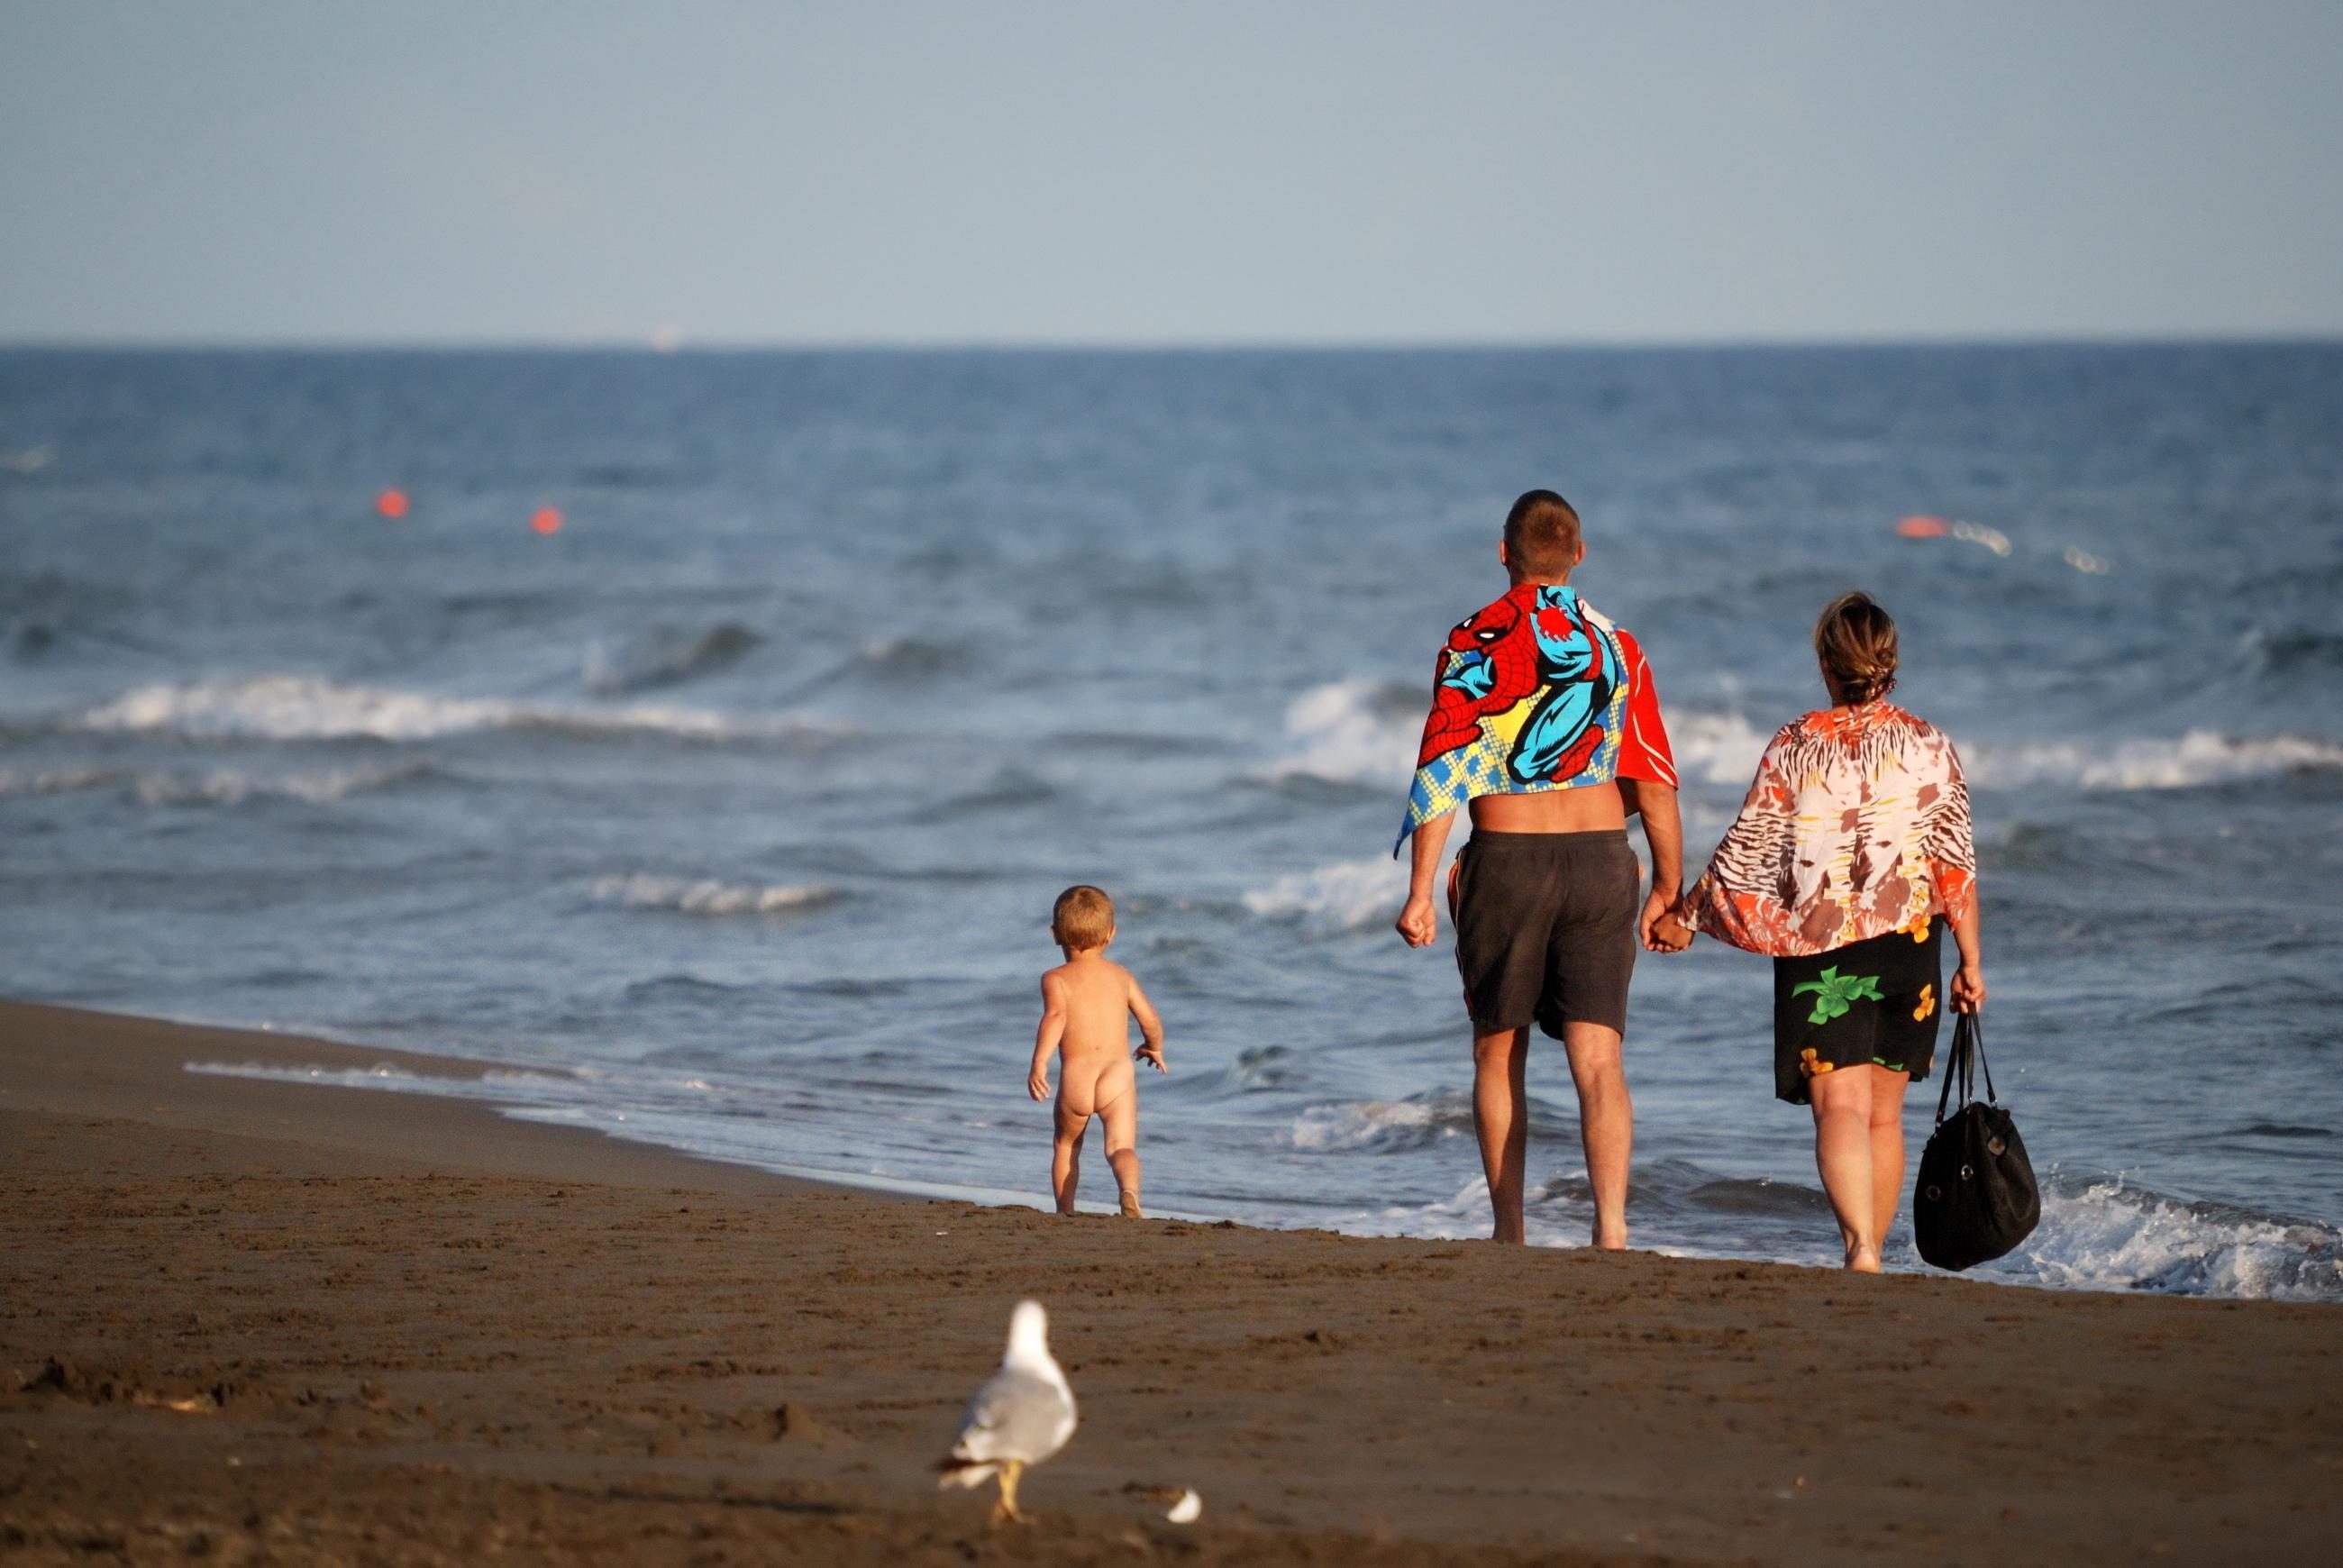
x: 1872, y: 1003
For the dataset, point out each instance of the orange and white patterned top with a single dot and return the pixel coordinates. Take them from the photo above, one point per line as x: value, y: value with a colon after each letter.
x: 1856, y: 825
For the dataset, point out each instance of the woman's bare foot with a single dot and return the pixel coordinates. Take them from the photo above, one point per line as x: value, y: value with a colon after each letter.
x: 1862, y: 1257
x: 1615, y: 1241
x: 1130, y: 1206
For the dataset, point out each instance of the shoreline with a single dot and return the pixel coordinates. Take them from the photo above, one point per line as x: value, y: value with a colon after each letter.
x: 303, y: 1321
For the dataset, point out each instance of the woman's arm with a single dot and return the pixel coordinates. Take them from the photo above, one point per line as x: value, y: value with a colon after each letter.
x: 1948, y: 844
x: 1968, y: 981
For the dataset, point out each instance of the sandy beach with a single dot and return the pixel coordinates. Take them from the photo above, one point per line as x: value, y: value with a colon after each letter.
x: 268, y: 1322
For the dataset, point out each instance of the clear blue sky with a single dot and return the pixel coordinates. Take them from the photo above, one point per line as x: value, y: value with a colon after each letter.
x: 874, y: 172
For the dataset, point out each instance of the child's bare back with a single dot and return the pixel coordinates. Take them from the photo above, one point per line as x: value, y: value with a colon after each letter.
x: 1086, y: 1005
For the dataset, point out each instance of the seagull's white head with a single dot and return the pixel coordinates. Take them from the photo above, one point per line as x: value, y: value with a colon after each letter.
x: 1028, y: 1339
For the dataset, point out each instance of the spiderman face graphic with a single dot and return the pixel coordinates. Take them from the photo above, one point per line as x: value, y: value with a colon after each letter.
x: 1505, y: 653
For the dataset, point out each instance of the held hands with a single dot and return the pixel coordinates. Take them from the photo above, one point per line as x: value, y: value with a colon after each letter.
x: 1968, y: 988
x: 1417, y: 925
x: 1663, y: 928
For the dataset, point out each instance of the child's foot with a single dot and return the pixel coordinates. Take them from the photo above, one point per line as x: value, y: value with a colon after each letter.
x: 1130, y: 1206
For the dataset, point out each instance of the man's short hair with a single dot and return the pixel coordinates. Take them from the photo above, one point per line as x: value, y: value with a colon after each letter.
x: 1083, y: 918
x: 1542, y: 535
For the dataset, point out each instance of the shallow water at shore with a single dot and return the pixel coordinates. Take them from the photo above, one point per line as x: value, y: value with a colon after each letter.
x: 735, y: 808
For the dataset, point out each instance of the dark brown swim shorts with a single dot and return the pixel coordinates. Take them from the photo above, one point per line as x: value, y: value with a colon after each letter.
x: 1545, y: 928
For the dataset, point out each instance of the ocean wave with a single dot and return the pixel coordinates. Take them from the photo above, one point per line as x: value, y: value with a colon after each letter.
x: 665, y: 657
x: 218, y: 787
x: 1347, y: 897
x: 906, y: 658
x: 2105, y: 1235
x: 682, y: 895
x: 497, y: 1083
x: 307, y: 708
x: 226, y: 787
x: 2200, y: 758
x: 16, y: 781
x: 1382, y: 1126
x: 1352, y: 732
x: 1367, y: 731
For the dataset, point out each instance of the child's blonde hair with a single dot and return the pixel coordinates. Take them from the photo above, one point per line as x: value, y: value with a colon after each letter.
x: 1082, y: 918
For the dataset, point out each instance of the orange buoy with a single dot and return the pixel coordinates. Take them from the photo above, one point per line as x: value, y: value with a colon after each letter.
x: 547, y: 520
x: 391, y: 504
x: 1924, y: 527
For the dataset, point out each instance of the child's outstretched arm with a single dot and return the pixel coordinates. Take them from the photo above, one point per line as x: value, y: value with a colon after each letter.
x: 1151, y: 1028
x: 1047, y: 1038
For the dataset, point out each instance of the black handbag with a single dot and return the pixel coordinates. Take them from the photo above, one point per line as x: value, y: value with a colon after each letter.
x: 1976, y: 1198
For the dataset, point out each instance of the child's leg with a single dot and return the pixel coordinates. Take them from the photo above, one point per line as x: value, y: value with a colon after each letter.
x: 1121, y: 1115
x: 1066, y: 1155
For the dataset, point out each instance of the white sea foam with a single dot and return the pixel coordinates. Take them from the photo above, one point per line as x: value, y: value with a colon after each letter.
x: 1349, y: 731
x: 1346, y: 897
x: 498, y: 1084
x: 1715, y: 747
x: 218, y: 787
x: 306, y: 707
x: 15, y: 781
x: 2107, y: 1236
x: 1366, y: 732
x: 1382, y: 1125
x: 685, y: 896
x: 2200, y: 757
x: 227, y: 787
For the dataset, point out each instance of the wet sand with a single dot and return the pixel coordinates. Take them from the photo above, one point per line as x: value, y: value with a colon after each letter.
x: 279, y: 1322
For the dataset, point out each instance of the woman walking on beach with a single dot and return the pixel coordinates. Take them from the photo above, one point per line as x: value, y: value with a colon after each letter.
x: 1851, y: 855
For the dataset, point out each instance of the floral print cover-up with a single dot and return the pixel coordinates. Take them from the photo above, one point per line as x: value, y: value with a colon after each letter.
x: 1856, y: 825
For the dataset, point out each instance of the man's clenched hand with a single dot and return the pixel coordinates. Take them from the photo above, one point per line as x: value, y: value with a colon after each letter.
x: 1417, y: 925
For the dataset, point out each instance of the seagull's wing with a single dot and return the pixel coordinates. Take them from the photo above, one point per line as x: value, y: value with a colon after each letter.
x: 1015, y: 1415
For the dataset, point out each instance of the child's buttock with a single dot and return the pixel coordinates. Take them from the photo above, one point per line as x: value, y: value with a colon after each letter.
x: 1090, y: 1082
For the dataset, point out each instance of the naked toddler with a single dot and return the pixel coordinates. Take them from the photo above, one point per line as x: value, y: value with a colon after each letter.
x: 1085, y: 1003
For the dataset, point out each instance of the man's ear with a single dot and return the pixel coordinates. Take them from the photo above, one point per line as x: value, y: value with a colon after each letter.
x: 1579, y: 559
x: 1504, y: 556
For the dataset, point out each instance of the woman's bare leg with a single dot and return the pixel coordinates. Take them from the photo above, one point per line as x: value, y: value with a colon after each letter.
x: 1502, y: 1122
x: 1606, y: 1121
x: 1842, y: 1105
x: 1887, y: 1147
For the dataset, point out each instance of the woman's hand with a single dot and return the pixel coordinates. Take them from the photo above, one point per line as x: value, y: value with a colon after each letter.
x: 1038, y: 1084
x: 1968, y: 988
x: 1417, y: 925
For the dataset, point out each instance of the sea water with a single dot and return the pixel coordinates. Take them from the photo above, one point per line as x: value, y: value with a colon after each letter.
x: 727, y: 811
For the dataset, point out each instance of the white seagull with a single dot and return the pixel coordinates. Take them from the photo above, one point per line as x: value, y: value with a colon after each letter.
x: 1022, y: 1416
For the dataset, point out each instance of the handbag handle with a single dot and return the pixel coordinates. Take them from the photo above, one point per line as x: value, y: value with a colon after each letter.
x: 1968, y: 1057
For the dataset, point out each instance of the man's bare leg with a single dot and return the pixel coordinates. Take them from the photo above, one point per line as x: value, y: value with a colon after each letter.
x: 1887, y: 1148
x: 1606, y: 1120
x: 1066, y: 1157
x: 1500, y: 1121
x: 1842, y: 1104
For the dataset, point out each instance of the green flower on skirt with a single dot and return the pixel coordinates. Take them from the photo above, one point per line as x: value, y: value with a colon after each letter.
x: 1835, y: 994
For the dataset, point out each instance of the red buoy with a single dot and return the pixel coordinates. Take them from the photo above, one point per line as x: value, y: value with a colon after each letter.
x: 391, y: 504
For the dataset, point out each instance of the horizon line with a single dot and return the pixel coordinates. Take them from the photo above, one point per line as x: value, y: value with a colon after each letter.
x: 654, y: 344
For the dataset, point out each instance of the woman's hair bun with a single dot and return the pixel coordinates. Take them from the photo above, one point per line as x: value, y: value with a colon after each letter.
x: 1854, y: 640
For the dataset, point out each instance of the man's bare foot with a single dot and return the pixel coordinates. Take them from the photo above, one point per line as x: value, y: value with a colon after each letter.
x: 1130, y: 1207
x: 1616, y: 1242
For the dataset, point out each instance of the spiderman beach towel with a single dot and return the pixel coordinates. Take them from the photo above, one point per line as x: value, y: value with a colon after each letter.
x: 1537, y: 691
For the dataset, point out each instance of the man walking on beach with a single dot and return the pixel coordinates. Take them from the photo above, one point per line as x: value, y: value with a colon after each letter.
x: 1544, y: 720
